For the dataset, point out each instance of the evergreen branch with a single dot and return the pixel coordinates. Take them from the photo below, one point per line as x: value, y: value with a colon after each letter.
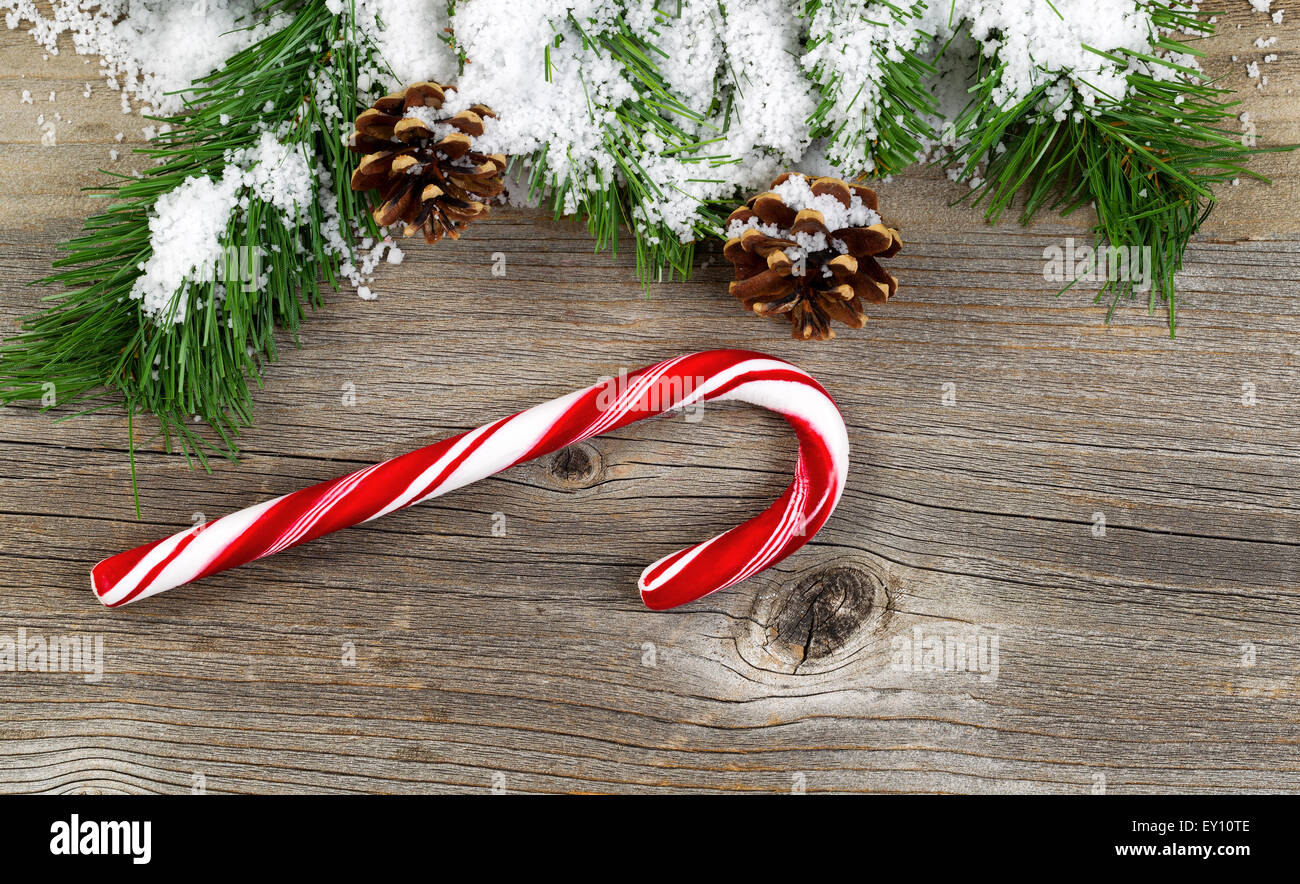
x: 93, y: 341
x: 626, y: 197
x: 885, y: 135
x: 1148, y: 163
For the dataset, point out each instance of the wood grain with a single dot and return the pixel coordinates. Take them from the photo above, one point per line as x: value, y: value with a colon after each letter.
x: 1162, y: 656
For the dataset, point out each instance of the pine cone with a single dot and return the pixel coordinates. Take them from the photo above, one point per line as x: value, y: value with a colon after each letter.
x: 424, y: 164
x: 790, y: 263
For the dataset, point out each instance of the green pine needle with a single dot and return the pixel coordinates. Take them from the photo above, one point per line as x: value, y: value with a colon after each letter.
x: 92, y: 341
x: 1148, y: 164
x: 613, y: 201
x: 902, y: 119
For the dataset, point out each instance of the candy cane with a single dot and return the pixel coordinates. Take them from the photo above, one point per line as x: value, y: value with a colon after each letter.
x: 713, y: 375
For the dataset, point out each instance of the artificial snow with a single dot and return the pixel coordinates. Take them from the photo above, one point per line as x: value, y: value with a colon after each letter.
x: 761, y: 130
x: 153, y: 50
x: 277, y: 173
x: 407, y: 34
x: 749, y: 77
x: 187, y: 225
x: 848, y: 62
x: 186, y: 228
x: 796, y: 192
x: 149, y: 48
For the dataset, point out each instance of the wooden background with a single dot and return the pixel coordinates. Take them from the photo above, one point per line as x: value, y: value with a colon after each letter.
x: 1162, y: 656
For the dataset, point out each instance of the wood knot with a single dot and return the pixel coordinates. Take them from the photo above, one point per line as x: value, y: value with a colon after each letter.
x: 823, y: 611
x: 818, y: 620
x: 577, y: 466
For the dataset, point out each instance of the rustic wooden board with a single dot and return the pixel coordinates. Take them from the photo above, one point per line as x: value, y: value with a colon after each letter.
x: 424, y: 653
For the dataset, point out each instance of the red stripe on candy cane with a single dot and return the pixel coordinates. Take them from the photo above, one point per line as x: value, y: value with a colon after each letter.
x: 688, y: 574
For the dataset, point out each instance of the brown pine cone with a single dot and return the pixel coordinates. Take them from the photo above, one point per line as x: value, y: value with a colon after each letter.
x: 424, y: 164
x: 806, y: 249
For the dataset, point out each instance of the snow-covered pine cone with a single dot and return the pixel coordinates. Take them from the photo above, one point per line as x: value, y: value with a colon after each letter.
x: 424, y: 162
x: 807, y: 250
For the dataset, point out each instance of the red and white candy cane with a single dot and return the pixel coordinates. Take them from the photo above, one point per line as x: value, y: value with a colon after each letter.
x: 713, y: 375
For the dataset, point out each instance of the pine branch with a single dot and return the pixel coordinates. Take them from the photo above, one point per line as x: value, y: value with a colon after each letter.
x: 1148, y: 163
x: 875, y: 125
x: 623, y: 198
x: 94, y: 342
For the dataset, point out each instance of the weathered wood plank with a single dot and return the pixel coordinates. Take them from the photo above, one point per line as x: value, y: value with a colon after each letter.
x: 523, y: 660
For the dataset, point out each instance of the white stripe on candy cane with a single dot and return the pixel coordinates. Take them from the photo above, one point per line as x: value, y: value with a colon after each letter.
x: 437, y: 469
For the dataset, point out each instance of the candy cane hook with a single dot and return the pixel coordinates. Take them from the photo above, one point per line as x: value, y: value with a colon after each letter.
x: 713, y: 375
